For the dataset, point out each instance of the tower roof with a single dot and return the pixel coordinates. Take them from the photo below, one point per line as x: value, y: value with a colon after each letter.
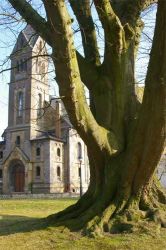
x: 26, y: 38
x: 30, y: 35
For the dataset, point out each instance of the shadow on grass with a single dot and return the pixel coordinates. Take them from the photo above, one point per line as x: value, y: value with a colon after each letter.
x: 11, y: 224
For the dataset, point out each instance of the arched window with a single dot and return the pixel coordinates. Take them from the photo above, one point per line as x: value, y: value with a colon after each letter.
x: 39, y: 109
x: 58, y: 172
x: 1, y: 174
x: 18, y: 140
x: 79, y: 151
x: 38, y: 151
x: 38, y: 171
x: 20, y: 103
x: 58, y: 152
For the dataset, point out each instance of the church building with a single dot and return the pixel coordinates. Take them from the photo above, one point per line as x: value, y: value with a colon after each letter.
x: 40, y: 151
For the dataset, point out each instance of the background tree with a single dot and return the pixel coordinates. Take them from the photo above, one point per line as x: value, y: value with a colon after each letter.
x: 124, y: 138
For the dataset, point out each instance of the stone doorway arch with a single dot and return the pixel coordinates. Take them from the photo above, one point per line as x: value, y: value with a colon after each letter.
x: 17, y: 176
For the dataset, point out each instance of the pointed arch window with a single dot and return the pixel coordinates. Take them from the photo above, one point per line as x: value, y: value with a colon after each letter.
x: 58, y: 152
x: 38, y: 151
x: 39, y: 109
x: 58, y: 172
x: 38, y: 171
x: 18, y: 141
x: 20, y: 103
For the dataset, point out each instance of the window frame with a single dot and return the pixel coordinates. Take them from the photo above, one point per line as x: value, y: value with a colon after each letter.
x: 58, y: 152
x: 39, y: 108
x: 38, y: 172
x: 18, y: 140
x: 58, y: 172
x: 38, y: 151
x: 20, y: 100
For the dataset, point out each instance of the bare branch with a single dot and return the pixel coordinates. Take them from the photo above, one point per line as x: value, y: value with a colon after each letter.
x: 113, y: 30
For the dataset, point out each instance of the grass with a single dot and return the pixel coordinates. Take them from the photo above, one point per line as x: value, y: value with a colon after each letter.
x: 22, y: 227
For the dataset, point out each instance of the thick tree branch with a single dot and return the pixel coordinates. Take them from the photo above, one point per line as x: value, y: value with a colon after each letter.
x: 82, y: 11
x: 129, y: 11
x: 154, y: 100
x: 89, y: 73
x: 70, y: 84
x: 151, y: 126
x: 113, y: 30
x: 33, y: 18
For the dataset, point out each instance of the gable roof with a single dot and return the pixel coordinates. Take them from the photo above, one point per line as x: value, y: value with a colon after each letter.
x: 17, y: 153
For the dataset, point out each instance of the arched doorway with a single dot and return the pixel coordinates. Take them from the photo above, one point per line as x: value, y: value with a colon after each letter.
x: 17, y: 177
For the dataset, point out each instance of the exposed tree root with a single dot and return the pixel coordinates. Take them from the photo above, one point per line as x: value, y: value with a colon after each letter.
x: 95, y: 218
x: 159, y: 192
x: 99, y: 224
x: 74, y: 210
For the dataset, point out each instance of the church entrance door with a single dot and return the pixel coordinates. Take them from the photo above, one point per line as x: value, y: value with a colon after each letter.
x: 19, y: 178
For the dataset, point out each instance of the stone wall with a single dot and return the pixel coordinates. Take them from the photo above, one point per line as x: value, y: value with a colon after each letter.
x: 40, y: 196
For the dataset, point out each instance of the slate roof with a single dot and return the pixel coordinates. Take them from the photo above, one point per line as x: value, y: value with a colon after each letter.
x: 47, y: 137
x: 30, y: 35
x: 27, y: 37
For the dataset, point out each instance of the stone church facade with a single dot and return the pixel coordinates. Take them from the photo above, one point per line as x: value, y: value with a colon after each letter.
x: 41, y: 152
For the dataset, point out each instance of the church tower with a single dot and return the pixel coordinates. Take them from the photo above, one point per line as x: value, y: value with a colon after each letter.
x: 41, y: 152
x: 28, y: 92
x: 28, y: 89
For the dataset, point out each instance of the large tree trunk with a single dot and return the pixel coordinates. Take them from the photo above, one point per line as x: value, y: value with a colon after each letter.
x: 124, y: 138
x: 124, y: 181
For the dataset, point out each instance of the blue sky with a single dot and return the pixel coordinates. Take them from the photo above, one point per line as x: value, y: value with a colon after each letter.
x: 8, y: 36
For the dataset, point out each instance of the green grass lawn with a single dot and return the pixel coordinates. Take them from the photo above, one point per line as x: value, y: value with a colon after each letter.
x: 21, y: 227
